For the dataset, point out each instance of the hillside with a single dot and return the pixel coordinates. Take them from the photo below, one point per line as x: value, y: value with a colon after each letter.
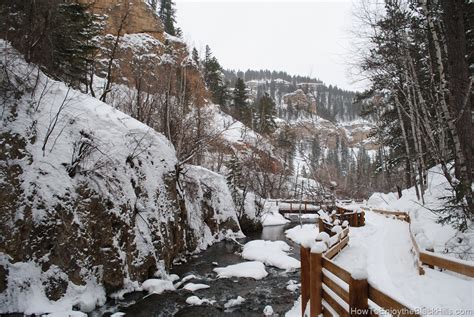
x: 319, y: 129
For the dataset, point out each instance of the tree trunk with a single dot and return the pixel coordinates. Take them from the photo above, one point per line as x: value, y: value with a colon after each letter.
x: 459, y: 92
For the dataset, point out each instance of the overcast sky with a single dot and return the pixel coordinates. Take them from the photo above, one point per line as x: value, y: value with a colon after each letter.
x: 310, y: 37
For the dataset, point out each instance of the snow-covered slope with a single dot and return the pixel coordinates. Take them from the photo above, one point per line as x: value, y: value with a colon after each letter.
x: 91, y: 201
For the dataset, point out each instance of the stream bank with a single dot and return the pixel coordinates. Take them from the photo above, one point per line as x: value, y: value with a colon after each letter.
x: 271, y: 290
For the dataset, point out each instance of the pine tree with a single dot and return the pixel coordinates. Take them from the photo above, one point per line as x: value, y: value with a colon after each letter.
x: 167, y: 15
x: 214, y: 78
x: 234, y: 177
x: 72, y: 36
x: 195, y: 56
x: 57, y: 35
x: 265, y: 122
x: 241, y: 107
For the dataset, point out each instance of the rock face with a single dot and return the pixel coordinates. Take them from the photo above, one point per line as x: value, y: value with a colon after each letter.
x: 92, y: 201
x: 300, y: 101
x: 128, y: 17
x: 301, y: 117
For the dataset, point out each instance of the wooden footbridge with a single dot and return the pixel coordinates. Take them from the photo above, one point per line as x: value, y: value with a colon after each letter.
x: 301, y: 206
x: 354, y: 218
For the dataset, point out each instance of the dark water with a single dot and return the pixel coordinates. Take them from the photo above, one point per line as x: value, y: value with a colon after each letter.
x: 270, y: 290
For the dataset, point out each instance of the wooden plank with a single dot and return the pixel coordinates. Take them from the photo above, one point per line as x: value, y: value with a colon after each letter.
x: 321, y: 225
x: 447, y: 264
x: 336, y: 248
x: 334, y: 304
x: 305, y: 277
x: 388, y: 303
x: 326, y: 313
x: 315, y: 284
x: 342, y: 293
x: 336, y: 270
x: 359, y: 297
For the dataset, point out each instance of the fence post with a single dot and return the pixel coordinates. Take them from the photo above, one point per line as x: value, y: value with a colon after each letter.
x: 305, y: 277
x: 321, y: 224
x: 362, y: 218
x: 316, y: 281
x: 358, y: 295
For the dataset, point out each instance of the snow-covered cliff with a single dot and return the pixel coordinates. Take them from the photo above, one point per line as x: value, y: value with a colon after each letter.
x: 92, y: 199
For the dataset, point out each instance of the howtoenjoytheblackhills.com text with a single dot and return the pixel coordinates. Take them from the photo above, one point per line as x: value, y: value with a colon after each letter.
x: 416, y: 311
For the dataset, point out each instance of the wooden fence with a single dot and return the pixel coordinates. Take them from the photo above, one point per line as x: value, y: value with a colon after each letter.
x: 428, y: 257
x: 331, y: 290
x: 401, y: 215
x: 355, y: 219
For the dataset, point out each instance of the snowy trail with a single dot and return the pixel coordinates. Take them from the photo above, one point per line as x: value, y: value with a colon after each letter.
x: 383, y: 246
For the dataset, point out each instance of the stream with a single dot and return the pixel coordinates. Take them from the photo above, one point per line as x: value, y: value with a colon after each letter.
x: 270, y: 290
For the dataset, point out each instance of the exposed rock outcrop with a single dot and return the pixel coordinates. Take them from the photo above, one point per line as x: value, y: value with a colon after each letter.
x: 300, y: 101
x: 128, y: 17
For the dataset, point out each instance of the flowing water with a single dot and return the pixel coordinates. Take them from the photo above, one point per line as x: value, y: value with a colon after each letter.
x: 270, y: 290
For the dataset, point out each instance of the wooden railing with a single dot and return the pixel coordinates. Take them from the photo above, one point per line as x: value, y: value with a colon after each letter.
x: 355, y: 219
x: 397, y: 214
x: 331, y: 290
x: 428, y: 257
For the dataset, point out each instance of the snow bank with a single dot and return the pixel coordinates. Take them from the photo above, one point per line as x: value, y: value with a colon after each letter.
x: 194, y: 287
x: 272, y: 253
x: 253, y: 269
x: 381, y: 200
x: 157, y: 286
x: 271, y: 216
x: 26, y: 291
x: 301, y: 234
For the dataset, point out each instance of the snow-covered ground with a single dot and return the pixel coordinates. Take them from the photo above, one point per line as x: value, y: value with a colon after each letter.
x: 442, y: 238
x: 383, y: 246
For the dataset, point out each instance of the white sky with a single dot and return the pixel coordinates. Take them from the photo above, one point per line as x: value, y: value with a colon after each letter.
x: 309, y: 38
